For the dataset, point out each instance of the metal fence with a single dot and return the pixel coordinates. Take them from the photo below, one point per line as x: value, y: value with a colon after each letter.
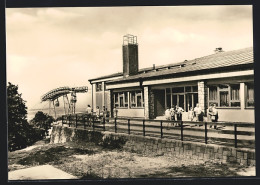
x: 236, y: 134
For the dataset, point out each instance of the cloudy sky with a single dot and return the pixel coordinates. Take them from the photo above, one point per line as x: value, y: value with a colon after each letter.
x: 53, y: 47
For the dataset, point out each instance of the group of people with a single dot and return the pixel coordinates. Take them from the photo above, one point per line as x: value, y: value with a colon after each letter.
x: 194, y: 114
x: 100, y: 114
x: 174, y: 113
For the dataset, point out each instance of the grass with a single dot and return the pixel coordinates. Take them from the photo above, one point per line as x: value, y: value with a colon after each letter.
x: 209, y: 170
x: 89, y: 161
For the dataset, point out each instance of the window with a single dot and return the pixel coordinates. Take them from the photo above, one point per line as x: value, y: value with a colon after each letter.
x: 225, y: 95
x: 194, y: 88
x: 126, y: 99
x: 213, y: 95
x: 123, y: 99
x: 98, y: 86
x: 178, y: 90
x: 224, y: 101
x: 250, y: 100
x: 135, y: 99
x: 116, y: 100
x: 234, y: 93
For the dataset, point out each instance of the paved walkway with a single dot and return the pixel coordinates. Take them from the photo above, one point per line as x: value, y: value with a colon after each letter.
x: 42, y: 172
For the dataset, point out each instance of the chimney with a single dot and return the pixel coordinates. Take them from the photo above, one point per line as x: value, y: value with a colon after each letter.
x: 153, y: 66
x: 130, y: 55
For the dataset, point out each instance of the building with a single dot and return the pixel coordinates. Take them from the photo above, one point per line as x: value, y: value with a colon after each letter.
x: 225, y: 78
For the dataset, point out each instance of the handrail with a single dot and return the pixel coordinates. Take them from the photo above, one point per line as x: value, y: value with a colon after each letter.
x: 185, y: 129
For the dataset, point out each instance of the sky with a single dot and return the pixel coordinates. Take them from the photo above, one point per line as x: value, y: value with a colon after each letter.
x: 49, y: 48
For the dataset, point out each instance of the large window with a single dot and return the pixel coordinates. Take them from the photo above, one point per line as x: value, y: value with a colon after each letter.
x: 135, y: 99
x: 250, y: 100
x: 184, y: 97
x: 225, y: 95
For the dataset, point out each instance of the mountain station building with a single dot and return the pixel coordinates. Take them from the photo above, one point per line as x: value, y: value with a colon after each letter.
x: 225, y: 78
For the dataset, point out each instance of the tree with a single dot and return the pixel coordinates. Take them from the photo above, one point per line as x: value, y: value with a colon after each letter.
x: 20, y: 133
x: 43, y: 121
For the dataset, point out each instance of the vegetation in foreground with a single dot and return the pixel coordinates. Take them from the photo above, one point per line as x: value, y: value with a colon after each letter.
x: 20, y: 133
x: 99, y: 162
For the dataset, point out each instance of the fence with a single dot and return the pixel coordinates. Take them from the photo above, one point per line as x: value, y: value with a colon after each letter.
x: 236, y: 134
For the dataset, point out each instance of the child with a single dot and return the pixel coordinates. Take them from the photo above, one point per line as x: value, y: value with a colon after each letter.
x: 191, y: 114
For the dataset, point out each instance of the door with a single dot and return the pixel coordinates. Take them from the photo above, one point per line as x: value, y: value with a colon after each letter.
x: 159, y: 102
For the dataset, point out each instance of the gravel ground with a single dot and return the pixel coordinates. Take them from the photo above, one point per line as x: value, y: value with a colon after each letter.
x: 95, y: 162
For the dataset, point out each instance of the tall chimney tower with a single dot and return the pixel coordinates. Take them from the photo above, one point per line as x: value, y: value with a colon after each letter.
x: 130, y: 55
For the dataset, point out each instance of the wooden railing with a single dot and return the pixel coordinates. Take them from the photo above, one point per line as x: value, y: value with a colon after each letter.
x: 236, y: 134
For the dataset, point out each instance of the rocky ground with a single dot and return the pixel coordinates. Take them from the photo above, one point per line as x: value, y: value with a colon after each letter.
x: 95, y: 162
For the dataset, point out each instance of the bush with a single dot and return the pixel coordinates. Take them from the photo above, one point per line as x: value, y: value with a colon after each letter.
x: 113, y: 143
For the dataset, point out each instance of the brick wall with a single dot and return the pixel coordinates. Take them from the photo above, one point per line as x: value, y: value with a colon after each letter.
x: 146, y: 102
x: 158, y: 146
x: 151, y: 103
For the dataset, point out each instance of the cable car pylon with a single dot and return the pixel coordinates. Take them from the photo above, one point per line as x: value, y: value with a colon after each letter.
x: 69, y: 106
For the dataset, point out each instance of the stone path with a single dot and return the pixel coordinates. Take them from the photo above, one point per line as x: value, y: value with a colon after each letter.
x: 42, y: 172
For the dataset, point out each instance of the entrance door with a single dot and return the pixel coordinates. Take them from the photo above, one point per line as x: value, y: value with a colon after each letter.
x: 159, y: 102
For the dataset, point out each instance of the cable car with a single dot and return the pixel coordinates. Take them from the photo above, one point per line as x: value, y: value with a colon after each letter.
x: 57, y: 103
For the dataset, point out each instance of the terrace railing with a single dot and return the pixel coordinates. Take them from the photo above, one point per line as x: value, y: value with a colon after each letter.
x: 236, y: 134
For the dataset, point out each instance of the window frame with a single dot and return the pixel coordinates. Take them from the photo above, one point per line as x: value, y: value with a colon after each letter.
x: 124, y: 99
x: 228, y: 89
x: 246, y: 95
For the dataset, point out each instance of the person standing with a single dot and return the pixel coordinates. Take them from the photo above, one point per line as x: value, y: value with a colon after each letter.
x: 172, y: 112
x: 89, y: 110
x: 179, y: 111
x: 115, y: 111
x: 209, y: 114
x: 107, y: 115
x: 214, y: 116
x: 191, y: 114
x: 98, y: 112
x: 198, y: 112
x: 104, y: 114
x: 167, y: 115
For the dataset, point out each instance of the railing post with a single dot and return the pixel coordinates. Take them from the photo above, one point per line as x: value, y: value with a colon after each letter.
x: 128, y: 126
x: 104, y: 127
x: 206, y: 133
x: 161, y: 130
x: 76, y: 124
x: 69, y: 120
x: 181, y: 130
x: 93, y: 123
x: 115, y: 126
x: 235, y: 134
x: 143, y: 127
x: 84, y: 120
